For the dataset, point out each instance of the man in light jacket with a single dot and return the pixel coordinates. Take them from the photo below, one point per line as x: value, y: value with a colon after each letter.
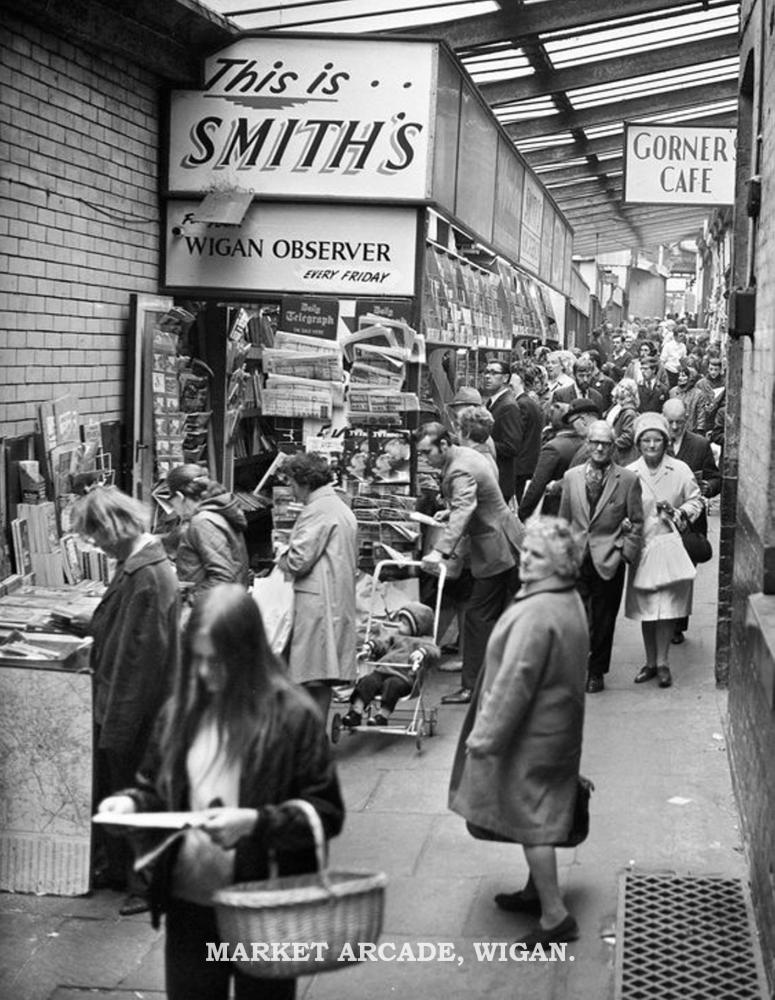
x: 475, y: 510
x: 602, y: 502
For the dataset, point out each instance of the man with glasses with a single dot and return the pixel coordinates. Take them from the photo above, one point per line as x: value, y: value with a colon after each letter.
x: 602, y: 502
x: 507, y: 427
x: 477, y: 511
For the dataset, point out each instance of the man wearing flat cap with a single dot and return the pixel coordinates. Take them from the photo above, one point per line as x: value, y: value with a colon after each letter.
x: 556, y: 457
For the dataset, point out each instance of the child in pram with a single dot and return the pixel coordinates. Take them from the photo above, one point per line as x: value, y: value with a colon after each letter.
x: 400, y: 655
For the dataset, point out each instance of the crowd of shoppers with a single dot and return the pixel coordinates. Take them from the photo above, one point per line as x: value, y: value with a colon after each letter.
x: 619, y: 441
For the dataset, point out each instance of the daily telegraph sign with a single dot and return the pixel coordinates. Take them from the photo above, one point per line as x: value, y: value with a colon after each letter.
x: 679, y: 164
x: 317, y: 117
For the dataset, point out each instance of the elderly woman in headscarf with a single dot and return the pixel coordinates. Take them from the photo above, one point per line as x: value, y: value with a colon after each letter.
x: 671, y: 501
x: 621, y: 417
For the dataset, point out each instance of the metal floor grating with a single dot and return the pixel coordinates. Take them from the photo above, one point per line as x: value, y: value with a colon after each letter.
x: 685, y: 938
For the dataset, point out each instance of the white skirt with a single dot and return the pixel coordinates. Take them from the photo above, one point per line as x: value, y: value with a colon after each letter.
x: 673, y: 601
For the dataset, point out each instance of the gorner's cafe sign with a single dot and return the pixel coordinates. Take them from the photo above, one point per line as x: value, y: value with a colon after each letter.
x: 679, y: 164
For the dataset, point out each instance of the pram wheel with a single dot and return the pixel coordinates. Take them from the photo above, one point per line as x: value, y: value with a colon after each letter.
x: 336, y: 727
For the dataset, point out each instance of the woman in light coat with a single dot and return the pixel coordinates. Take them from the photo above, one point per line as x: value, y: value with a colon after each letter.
x: 321, y: 559
x: 671, y: 501
x: 516, y: 769
x: 621, y: 417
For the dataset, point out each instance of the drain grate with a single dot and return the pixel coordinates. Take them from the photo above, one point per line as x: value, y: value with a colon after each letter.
x: 684, y: 938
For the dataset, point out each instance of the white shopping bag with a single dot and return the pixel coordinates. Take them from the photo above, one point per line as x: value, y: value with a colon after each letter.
x: 274, y: 596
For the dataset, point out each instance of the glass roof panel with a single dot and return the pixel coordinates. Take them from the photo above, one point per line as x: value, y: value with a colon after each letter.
x: 345, y: 15
x: 632, y: 35
x: 640, y: 86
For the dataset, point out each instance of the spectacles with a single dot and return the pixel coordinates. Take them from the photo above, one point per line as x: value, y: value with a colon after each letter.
x: 493, y: 371
x: 601, y: 444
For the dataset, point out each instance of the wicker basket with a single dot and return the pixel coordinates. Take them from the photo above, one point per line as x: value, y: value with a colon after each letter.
x: 299, y: 925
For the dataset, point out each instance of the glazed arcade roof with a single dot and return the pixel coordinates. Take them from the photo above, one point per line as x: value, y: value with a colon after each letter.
x: 562, y: 76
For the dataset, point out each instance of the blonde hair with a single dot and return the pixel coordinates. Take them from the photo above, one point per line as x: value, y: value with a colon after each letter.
x: 115, y: 515
x: 562, y: 547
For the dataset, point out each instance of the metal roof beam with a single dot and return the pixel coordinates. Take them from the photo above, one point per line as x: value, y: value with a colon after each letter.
x: 620, y: 111
x: 611, y: 143
x: 541, y: 18
x: 592, y: 74
x: 580, y: 171
x: 588, y: 191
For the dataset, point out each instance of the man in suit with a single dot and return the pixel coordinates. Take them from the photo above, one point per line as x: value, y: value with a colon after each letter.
x: 696, y: 451
x: 581, y: 388
x: 532, y: 423
x: 651, y: 391
x: 556, y: 456
x: 475, y: 511
x: 600, y: 383
x: 602, y: 501
x: 507, y: 427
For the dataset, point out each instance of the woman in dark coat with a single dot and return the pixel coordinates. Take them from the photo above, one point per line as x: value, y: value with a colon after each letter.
x: 237, y: 733
x: 516, y: 769
x: 133, y: 658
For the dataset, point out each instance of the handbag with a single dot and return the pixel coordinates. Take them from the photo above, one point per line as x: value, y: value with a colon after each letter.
x: 695, y: 540
x: 664, y: 561
x: 579, y: 830
x: 697, y: 546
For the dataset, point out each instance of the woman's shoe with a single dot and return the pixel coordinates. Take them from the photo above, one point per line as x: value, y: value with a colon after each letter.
x: 646, y: 673
x: 134, y: 904
x: 518, y: 902
x: 663, y: 677
x: 566, y: 930
x: 378, y: 720
x: 352, y: 719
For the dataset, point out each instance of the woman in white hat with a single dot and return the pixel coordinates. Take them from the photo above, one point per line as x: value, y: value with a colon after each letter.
x: 671, y: 501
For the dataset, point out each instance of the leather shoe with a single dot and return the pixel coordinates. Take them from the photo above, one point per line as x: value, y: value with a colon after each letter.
x: 663, y: 677
x: 132, y: 905
x: 678, y: 638
x: 645, y: 674
x: 566, y: 930
x: 518, y: 902
x: 595, y: 683
x: 461, y: 697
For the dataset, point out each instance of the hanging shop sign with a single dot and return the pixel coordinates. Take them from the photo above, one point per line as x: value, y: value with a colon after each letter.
x: 679, y: 164
x: 286, y: 116
x: 532, y: 223
x: 304, y: 249
x: 316, y: 317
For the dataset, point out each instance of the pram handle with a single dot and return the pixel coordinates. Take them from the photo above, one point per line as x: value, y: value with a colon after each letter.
x: 404, y: 564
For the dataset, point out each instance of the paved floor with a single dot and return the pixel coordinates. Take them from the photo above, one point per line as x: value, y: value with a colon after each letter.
x: 663, y: 802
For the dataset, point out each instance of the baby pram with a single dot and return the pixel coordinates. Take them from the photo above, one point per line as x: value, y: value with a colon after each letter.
x: 419, y: 721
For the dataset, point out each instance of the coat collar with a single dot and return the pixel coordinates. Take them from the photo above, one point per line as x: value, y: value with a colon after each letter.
x: 150, y: 554
x: 613, y: 474
x: 552, y: 585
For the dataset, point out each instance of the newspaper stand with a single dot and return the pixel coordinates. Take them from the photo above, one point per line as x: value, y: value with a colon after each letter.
x: 419, y: 721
